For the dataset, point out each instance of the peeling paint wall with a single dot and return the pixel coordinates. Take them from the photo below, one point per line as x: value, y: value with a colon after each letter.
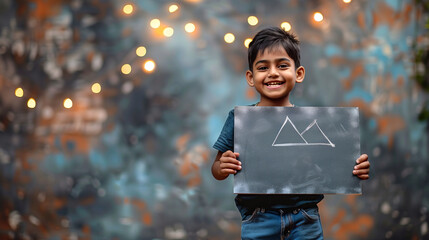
x: 133, y: 161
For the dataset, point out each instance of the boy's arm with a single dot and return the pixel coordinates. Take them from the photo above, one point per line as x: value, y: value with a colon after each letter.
x: 361, y: 170
x: 225, y: 164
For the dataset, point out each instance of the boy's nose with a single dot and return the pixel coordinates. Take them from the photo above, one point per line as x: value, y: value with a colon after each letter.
x: 273, y: 72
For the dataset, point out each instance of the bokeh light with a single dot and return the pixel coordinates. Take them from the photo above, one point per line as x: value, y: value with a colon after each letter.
x: 68, y: 103
x: 128, y: 9
x: 168, y: 31
x: 318, y: 17
x: 190, y: 27
x: 126, y: 69
x: 141, y: 51
x: 19, y: 92
x: 286, y: 26
x: 155, y: 23
x: 31, y: 103
x: 252, y: 20
x: 149, y: 66
x: 96, y: 88
x: 229, y: 38
x: 173, y: 8
x: 247, y: 42
x: 347, y: 1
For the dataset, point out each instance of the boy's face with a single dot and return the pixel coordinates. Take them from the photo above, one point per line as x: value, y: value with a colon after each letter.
x: 274, y: 76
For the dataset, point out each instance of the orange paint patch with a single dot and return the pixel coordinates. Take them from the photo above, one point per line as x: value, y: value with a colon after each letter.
x: 86, y: 229
x: 250, y: 93
x: 400, y: 81
x: 87, y: 201
x: 359, y: 226
x: 361, y: 20
x: 351, y: 200
x: 182, y: 141
x: 395, y: 98
x: 59, y: 203
x: 187, y: 166
x: 389, y: 125
x: 45, y: 9
x: 356, y: 72
x: 139, y: 204
x: 81, y: 141
x: 384, y: 15
x: 147, y: 219
x: 194, y: 181
x: 337, y: 60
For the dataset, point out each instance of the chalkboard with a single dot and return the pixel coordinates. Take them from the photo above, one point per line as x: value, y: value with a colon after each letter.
x: 296, y: 150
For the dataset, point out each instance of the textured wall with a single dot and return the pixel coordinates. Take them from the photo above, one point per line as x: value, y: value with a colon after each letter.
x: 133, y: 162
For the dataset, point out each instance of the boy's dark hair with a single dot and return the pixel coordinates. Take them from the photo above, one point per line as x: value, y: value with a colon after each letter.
x: 270, y: 38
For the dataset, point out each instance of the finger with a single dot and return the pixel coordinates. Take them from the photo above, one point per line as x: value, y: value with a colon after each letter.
x: 361, y: 172
x: 362, y: 165
x: 230, y: 166
x: 229, y: 153
x: 363, y: 177
x: 230, y: 160
x: 228, y: 171
x: 362, y: 158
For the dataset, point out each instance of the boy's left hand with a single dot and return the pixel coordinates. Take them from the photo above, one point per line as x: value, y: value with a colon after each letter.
x: 361, y: 170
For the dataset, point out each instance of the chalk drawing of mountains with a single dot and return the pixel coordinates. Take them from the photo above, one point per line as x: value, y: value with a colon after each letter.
x: 289, y: 135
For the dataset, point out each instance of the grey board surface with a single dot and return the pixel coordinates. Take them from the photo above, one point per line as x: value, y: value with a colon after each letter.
x: 296, y: 150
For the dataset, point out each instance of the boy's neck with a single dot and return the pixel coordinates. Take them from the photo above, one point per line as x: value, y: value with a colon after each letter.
x: 274, y: 103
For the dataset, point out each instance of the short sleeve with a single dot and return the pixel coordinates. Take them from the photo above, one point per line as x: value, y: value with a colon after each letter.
x: 225, y: 141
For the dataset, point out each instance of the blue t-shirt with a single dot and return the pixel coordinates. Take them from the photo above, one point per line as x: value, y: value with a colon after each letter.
x: 224, y: 143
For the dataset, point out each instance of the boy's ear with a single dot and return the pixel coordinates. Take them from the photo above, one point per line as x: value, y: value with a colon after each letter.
x: 300, y: 74
x: 249, y: 78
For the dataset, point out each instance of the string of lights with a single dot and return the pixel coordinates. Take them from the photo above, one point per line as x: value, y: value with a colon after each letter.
x: 149, y: 65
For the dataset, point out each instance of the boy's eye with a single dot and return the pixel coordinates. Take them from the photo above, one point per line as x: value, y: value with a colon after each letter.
x: 261, y: 68
x: 283, y: 66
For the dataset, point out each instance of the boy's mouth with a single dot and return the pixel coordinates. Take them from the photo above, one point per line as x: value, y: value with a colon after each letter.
x: 275, y: 83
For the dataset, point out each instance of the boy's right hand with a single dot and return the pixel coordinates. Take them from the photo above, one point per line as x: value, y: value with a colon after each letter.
x: 229, y: 163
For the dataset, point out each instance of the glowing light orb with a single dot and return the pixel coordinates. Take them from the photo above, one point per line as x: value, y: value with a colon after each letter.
x: 96, y: 88
x: 318, y: 17
x: 190, y: 27
x: 247, y: 42
x: 68, y: 103
x: 286, y: 26
x: 141, y: 51
x: 173, y: 8
x: 229, y: 38
x: 149, y: 66
x: 168, y: 32
x: 128, y: 9
x: 347, y: 1
x: 155, y: 23
x: 252, y: 20
x: 19, y: 92
x: 31, y: 103
x: 126, y: 69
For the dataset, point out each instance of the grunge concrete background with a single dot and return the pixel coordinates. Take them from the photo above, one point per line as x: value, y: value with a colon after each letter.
x: 133, y: 161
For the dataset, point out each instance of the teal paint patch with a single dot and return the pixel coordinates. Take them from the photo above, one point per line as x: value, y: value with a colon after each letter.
x: 372, y: 124
x: 397, y: 5
x: 96, y: 159
x: 215, y: 124
x: 332, y: 50
x: 344, y: 73
x: 55, y: 163
x: 358, y: 93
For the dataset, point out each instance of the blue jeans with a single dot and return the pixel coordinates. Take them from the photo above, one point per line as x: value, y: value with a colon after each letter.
x: 299, y: 223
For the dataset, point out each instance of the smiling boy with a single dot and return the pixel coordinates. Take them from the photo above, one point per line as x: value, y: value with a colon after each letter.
x: 274, y: 69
